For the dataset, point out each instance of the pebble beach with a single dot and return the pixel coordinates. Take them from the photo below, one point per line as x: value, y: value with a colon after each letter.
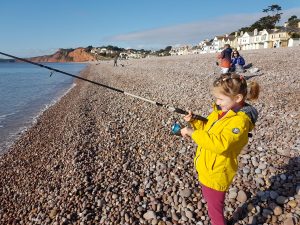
x: 101, y: 157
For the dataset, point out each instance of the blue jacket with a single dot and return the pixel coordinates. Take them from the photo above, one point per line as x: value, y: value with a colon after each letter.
x: 237, y: 61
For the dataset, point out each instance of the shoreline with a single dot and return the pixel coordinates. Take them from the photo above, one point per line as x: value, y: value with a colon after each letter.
x: 27, y: 124
x: 97, y: 156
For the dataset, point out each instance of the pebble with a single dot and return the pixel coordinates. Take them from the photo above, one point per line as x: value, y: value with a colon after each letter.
x: 281, y: 200
x: 241, y: 196
x: 149, y: 215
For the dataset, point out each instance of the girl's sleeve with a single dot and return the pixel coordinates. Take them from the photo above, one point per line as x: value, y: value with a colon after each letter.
x: 242, y: 61
x: 197, y: 124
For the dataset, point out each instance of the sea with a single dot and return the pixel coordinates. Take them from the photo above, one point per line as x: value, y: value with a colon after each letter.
x: 26, y: 91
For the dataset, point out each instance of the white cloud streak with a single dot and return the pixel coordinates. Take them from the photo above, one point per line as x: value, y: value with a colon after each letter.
x: 192, y: 33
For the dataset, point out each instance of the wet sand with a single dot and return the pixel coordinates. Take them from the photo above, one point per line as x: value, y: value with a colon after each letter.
x: 100, y: 157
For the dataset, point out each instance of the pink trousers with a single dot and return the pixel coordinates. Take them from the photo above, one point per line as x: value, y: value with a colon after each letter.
x: 215, y: 203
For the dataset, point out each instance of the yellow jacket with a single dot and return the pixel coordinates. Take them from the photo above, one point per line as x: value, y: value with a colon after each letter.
x: 220, y: 141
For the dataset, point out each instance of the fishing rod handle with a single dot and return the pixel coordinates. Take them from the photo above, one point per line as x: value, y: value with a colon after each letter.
x: 194, y: 116
x: 198, y: 117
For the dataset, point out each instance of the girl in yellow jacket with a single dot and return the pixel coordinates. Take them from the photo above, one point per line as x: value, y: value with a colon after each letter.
x: 221, y: 139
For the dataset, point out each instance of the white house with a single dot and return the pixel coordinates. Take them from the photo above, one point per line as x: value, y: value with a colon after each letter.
x: 293, y: 42
x: 245, y: 41
x: 265, y: 38
x: 217, y: 43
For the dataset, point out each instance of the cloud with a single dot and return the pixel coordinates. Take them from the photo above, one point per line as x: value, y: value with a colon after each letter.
x: 286, y: 14
x: 191, y: 33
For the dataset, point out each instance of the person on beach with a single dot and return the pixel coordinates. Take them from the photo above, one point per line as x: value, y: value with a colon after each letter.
x: 225, y: 57
x: 237, y: 62
x: 221, y: 139
x: 116, y: 60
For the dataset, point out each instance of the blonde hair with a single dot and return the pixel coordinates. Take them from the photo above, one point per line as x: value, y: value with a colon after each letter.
x: 232, y: 84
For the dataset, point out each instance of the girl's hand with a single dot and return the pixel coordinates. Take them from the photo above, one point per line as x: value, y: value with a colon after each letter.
x: 188, y: 117
x: 186, y: 132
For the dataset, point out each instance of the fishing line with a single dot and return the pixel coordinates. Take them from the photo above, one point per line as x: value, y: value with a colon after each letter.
x: 170, y: 108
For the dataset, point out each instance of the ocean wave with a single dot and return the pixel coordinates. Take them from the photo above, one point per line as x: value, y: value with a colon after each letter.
x: 6, y: 115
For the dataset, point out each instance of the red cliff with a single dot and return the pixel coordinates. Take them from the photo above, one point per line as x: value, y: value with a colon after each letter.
x: 66, y: 55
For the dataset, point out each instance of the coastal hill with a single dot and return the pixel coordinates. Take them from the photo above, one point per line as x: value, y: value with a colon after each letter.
x: 66, y: 55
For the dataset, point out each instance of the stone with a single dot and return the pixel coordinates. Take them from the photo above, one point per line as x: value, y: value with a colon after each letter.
x: 232, y: 195
x: 149, y: 215
x: 267, y: 213
x: 189, y: 214
x: 277, y: 211
x: 53, y: 213
x: 292, y: 204
x: 241, y: 196
x: 290, y: 221
x: 281, y: 200
x: 273, y: 195
x: 185, y: 193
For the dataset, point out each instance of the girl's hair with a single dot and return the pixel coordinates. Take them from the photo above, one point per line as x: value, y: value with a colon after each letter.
x: 232, y: 84
x: 235, y: 51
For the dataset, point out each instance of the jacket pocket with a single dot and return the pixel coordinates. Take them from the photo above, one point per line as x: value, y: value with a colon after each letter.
x: 213, y: 162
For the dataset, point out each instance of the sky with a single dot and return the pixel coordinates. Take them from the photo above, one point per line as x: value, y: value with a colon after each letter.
x: 34, y: 28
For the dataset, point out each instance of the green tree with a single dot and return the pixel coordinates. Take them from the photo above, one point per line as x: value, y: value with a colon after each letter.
x: 293, y: 21
x: 274, y: 9
x: 168, y: 48
x: 266, y: 22
x: 89, y: 48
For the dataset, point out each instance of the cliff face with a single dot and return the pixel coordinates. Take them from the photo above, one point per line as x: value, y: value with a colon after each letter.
x: 66, y: 55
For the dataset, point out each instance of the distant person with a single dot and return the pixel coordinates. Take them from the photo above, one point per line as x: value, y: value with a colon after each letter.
x: 116, y: 60
x: 237, y: 63
x: 225, y: 57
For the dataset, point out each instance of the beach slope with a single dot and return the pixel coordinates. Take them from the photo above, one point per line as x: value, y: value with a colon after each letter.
x: 100, y: 157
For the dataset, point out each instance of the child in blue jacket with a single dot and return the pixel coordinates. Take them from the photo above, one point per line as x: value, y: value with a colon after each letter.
x: 237, y: 62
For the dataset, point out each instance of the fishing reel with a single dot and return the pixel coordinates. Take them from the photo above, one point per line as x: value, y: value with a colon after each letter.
x: 175, y: 129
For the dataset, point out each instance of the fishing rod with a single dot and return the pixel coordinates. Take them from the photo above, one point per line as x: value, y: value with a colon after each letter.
x: 170, y: 108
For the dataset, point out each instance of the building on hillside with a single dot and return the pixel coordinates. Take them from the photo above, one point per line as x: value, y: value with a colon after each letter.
x: 293, y: 42
x: 280, y: 37
x: 245, y: 40
x: 182, y: 50
x: 95, y: 51
x: 256, y: 41
x: 206, y: 46
x: 217, y: 43
x: 123, y: 55
x: 196, y: 50
x: 230, y: 40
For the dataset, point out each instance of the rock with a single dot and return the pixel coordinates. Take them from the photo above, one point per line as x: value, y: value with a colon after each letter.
x: 174, y: 216
x: 298, y: 190
x: 290, y: 221
x: 273, y: 195
x: 149, y: 215
x: 241, y: 196
x: 277, y: 211
x: 292, y: 204
x: 185, y: 193
x: 252, y: 220
x: 232, y: 195
x: 53, y: 213
x: 189, y: 214
x: 281, y: 200
x: 267, y: 213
